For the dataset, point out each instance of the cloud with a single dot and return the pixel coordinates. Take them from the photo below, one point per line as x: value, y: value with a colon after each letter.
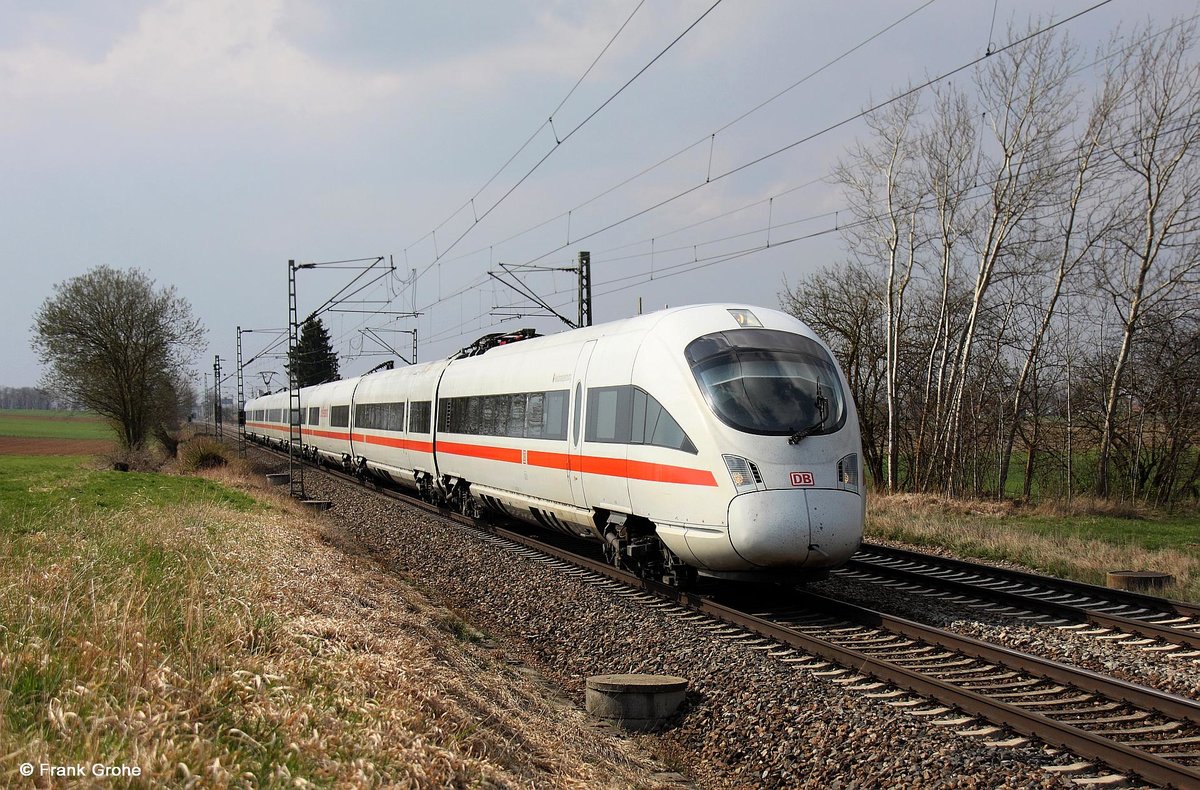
x: 187, y: 61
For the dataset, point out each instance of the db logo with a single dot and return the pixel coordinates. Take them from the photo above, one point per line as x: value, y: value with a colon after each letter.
x: 802, y: 478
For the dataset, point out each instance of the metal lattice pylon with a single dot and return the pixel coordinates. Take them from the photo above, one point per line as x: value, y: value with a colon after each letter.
x: 585, y: 289
x: 295, y: 437
x: 241, y: 400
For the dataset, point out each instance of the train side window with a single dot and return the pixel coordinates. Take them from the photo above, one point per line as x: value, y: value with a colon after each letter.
x: 301, y: 416
x: 473, y: 419
x: 637, y: 427
x: 339, y: 416
x: 578, y: 409
x: 609, y: 410
x: 487, y: 419
x: 533, y: 415
x: 663, y: 431
x: 555, y: 415
x: 497, y: 422
x: 535, y: 411
x: 314, y: 415
x: 629, y: 415
x: 418, y: 416
x: 379, y: 416
x: 516, y: 415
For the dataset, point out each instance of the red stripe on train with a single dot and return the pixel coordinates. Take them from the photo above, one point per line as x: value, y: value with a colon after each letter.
x: 589, y: 464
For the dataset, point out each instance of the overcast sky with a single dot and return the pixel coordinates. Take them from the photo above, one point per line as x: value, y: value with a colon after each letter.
x: 207, y: 142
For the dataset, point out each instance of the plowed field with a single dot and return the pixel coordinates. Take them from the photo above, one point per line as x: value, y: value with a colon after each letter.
x: 19, y: 445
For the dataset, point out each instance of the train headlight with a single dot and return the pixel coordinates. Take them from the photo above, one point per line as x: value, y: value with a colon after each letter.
x: 847, y: 472
x: 745, y: 474
x: 745, y: 317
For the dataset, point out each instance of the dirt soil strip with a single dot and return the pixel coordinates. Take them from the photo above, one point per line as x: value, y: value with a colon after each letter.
x: 21, y: 445
x: 55, y: 417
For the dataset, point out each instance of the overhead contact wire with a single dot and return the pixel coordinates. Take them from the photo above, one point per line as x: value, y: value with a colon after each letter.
x: 831, y: 127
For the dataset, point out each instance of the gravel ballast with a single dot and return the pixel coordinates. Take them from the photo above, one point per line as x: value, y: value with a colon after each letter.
x: 750, y: 719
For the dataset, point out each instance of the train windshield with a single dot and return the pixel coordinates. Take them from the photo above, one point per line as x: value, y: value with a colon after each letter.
x: 769, y: 382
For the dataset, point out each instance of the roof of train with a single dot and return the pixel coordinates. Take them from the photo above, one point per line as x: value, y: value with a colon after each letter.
x: 639, y: 323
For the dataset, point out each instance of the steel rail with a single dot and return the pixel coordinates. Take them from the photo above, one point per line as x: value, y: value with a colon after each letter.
x: 1164, y: 605
x: 1082, y: 742
x: 1116, y: 622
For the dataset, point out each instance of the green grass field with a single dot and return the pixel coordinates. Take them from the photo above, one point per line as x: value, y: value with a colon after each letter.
x: 41, y: 424
x: 176, y: 624
x: 33, y: 487
x: 1164, y: 531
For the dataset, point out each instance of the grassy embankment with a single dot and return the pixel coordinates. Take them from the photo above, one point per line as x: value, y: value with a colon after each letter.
x: 1082, y: 541
x: 201, y: 629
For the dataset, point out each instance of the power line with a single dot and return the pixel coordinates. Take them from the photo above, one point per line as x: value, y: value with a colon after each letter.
x: 827, y: 129
x: 974, y: 193
x: 471, y: 201
x: 709, y: 137
x: 558, y: 143
x: 980, y: 191
x: 779, y: 151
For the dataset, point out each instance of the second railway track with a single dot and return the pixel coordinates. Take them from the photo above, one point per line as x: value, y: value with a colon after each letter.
x: 1150, y: 622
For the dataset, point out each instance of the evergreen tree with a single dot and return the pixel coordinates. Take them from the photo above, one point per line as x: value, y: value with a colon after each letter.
x: 313, y: 361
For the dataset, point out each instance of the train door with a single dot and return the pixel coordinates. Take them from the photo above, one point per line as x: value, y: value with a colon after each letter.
x: 575, y: 428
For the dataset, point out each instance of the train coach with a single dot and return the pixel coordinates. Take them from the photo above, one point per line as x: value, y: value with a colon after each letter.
x: 712, y: 439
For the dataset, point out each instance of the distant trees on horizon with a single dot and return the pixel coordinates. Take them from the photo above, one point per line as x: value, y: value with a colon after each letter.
x: 30, y: 398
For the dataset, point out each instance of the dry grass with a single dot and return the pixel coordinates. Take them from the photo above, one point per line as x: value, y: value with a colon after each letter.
x: 1082, y: 541
x: 202, y: 452
x: 214, y: 647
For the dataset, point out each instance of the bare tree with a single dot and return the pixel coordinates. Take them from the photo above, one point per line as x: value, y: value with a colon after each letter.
x: 879, y: 181
x: 1077, y: 230
x: 114, y: 343
x: 950, y: 165
x: 1028, y: 102
x: 978, y: 216
x: 1153, y: 255
x: 840, y: 304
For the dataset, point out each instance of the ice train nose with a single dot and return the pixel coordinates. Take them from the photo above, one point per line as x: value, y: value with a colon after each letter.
x: 783, y: 528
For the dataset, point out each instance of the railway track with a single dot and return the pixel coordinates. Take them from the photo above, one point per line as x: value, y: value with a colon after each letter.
x: 1137, y: 730
x: 954, y: 680
x: 1123, y: 617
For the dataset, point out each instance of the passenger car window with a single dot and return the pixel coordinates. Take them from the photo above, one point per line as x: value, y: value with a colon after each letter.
x: 630, y: 415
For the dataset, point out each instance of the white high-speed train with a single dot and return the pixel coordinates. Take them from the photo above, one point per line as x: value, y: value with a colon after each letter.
x: 716, y: 439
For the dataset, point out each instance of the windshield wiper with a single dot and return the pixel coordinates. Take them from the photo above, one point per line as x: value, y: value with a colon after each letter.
x: 804, y: 432
x: 822, y: 409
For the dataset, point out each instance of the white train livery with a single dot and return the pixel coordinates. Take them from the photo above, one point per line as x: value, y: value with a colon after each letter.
x: 712, y: 439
